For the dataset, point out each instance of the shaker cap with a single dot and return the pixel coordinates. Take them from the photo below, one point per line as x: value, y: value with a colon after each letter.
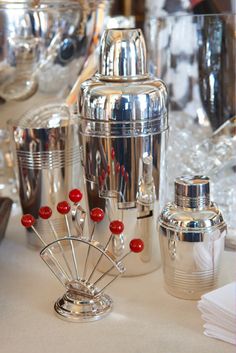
x: 122, y: 54
x: 192, y: 214
x: 122, y: 100
x: 192, y: 191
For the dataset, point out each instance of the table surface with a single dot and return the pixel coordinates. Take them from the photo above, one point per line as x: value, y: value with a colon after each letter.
x: 144, y: 319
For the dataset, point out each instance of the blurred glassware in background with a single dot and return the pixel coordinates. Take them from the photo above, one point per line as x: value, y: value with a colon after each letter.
x: 216, y: 157
x: 195, y: 56
x: 7, y: 177
x: 43, y: 49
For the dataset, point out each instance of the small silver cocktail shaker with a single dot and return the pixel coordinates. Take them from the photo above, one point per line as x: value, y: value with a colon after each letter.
x: 191, y: 232
x: 123, y: 137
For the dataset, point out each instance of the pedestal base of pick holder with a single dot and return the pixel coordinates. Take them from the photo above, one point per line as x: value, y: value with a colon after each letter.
x: 76, y: 308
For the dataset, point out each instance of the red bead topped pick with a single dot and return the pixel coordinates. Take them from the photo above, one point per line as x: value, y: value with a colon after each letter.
x: 75, y: 195
x: 108, y: 169
x: 123, y: 170
x: 45, y: 212
x: 116, y: 227
x: 63, y: 207
x: 97, y: 214
x: 136, y: 245
x: 27, y: 220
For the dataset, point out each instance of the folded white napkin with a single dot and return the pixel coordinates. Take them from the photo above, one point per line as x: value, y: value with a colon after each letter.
x: 218, y: 310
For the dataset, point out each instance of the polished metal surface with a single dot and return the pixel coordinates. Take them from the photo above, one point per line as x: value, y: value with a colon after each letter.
x: 46, y: 152
x: 84, y: 299
x: 123, y: 135
x: 192, y: 192
x: 120, y: 50
x: 75, y: 308
x: 191, y: 240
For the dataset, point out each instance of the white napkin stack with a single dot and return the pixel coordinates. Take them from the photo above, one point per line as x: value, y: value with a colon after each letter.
x: 218, y: 310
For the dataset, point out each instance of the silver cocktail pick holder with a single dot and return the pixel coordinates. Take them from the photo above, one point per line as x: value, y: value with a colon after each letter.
x: 75, y: 259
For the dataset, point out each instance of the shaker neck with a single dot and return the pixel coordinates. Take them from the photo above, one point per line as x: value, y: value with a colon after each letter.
x: 192, y: 192
x: 122, y: 55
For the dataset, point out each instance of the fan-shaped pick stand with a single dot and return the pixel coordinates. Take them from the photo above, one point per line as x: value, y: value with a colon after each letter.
x: 71, y: 259
x: 83, y: 300
x: 74, y: 307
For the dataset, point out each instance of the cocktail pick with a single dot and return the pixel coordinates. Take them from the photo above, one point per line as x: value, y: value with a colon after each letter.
x: 63, y: 208
x: 45, y: 213
x: 136, y: 246
x: 116, y: 228
x: 75, y: 195
x: 28, y: 221
x: 83, y: 300
x: 96, y: 215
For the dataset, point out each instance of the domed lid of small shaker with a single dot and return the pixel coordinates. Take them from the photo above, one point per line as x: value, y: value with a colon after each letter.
x: 122, y: 54
x: 192, y: 191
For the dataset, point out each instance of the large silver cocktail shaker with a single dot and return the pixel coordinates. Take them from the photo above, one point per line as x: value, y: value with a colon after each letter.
x: 123, y: 130
x: 191, y: 231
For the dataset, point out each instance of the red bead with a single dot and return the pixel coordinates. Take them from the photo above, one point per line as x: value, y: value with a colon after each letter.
x: 116, y: 227
x: 113, y: 153
x: 63, y: 207
x: 123, y: 170
x: 108, y: 169
x: 117, y: 167
x: 45, y: 212
x: 136, y: 245
x: 27, y: 220
x: 97, y: 214
x: 75, y: 195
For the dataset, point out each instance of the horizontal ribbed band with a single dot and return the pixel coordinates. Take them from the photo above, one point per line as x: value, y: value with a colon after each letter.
x: 122, y: 128
x: 192, y: 202
x: 48, y: 160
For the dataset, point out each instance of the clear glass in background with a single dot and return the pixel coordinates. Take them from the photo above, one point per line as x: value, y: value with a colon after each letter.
x: 195, y: 56
x: 43, y: 49
x: 7, y: 177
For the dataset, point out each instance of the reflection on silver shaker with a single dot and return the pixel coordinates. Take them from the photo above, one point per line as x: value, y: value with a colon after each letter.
x: 192, y: 232
x: 123, y: 136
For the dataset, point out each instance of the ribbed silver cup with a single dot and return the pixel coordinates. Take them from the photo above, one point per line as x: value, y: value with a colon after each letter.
x: 46, y: 152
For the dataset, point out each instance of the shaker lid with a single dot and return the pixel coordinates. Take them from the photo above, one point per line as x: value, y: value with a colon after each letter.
x: 192, y: 191
x: 192, y: 210
x: 122, y: 54
x: 122, y: 99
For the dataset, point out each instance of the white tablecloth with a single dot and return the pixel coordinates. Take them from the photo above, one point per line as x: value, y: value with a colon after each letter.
x: 145, y: 318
